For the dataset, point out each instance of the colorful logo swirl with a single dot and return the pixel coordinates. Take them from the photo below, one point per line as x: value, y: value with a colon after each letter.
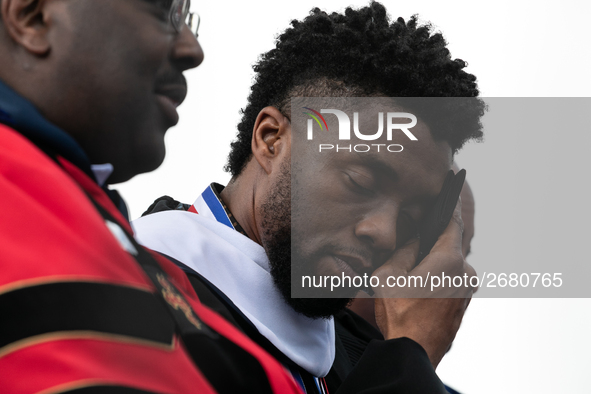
x: 315, y: 115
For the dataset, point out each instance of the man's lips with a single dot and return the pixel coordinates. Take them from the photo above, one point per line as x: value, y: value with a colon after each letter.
x: 170, y: 97
x: 358, y: 265
x: 175, y: 93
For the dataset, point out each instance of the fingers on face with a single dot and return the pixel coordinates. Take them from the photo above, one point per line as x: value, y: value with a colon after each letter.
x: 402, y: 261
x: 452, y: 235
x: 446, y: 254
x: 445, y: 260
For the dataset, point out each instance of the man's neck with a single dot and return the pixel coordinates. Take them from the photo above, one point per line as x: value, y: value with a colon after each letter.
x: 20, y: 114
x: 240, y: 199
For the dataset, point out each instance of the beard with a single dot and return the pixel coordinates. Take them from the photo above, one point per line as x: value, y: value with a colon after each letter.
x: 286, y: 264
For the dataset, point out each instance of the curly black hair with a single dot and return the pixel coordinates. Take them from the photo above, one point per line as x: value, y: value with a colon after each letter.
x: 360, y: 54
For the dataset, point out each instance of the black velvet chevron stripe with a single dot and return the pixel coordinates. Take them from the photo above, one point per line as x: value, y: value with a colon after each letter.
x: 107, y: 390
x: 83, y: 306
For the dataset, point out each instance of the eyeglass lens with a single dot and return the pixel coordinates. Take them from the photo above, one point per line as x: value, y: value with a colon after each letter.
x: 181, y: 13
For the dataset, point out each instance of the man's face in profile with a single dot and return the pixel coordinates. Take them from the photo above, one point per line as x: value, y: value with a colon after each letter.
x: 349, y: 210
x: 120, y: 65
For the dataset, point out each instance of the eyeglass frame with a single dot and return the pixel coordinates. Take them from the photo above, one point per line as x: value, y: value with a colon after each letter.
x: 187, y: 17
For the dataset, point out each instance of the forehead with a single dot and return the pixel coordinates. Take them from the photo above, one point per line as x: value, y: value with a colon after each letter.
x: 413, y: 168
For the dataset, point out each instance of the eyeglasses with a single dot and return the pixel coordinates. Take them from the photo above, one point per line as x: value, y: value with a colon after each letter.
x: 180, y: 15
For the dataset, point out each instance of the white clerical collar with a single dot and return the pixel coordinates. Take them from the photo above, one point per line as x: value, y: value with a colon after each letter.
x: 239, y: 267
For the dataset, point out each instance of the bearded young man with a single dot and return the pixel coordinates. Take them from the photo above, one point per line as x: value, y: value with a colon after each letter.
x: 235, y: 243
x: 87, y: 91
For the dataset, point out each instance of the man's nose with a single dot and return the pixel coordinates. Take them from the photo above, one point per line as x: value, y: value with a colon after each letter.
x: 187, y: 52
x: 378, y: 228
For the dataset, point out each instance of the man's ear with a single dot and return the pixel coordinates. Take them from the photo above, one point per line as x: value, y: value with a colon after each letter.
x: 271, y: 137
x: 25, y: 23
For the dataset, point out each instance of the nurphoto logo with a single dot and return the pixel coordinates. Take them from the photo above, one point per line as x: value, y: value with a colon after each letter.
x: 392, y: 120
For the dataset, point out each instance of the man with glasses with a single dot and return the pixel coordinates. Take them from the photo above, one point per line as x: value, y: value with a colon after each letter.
x: 87, y: 91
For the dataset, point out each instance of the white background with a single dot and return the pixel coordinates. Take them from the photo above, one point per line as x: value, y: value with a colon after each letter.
x: 516, y: 49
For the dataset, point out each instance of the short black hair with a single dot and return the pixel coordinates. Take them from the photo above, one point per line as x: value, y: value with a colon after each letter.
x: 355, y: 54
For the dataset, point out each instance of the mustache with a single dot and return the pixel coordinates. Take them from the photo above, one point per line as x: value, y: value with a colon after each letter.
x: 353, y: 251
x: 376, y: 258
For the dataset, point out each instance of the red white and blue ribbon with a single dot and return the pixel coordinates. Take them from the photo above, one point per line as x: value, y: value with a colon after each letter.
x: 209, y: 205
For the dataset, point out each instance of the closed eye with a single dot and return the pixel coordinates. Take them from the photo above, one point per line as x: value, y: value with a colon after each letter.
x: 359, y: 185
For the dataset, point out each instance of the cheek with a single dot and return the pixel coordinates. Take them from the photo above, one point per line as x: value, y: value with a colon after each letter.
x: 321, y: 223
x: 124, y: 51
x: 321, y: 207
x: 314, y: 221
x: 405, y: 231
x: 322, y: 210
